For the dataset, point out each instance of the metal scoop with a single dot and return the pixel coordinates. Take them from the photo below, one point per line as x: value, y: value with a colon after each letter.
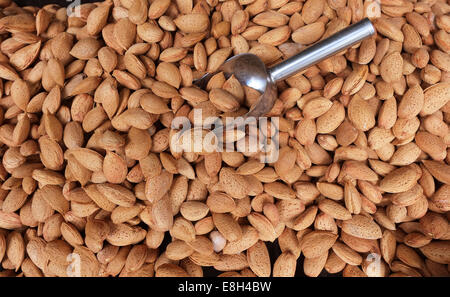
x: 249, y: 70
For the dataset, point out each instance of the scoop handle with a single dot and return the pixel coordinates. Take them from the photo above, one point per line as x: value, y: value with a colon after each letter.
x: 323, y: 49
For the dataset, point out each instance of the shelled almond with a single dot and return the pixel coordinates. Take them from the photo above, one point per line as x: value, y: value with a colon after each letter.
x: 361, y: 186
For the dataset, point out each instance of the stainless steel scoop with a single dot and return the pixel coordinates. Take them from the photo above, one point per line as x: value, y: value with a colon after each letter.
x: 249, y: 70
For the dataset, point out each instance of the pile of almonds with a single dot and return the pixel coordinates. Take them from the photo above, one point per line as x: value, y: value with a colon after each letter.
x: 361, y: 186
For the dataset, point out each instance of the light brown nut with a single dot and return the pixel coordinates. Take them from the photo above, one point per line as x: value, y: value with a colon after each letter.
x: 285, y: 265
x: 316, y: 243
x: 258, y: 259
x: 362, y: 227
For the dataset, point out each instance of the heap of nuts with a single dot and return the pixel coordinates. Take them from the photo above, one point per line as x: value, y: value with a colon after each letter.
x: 91, y: 185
